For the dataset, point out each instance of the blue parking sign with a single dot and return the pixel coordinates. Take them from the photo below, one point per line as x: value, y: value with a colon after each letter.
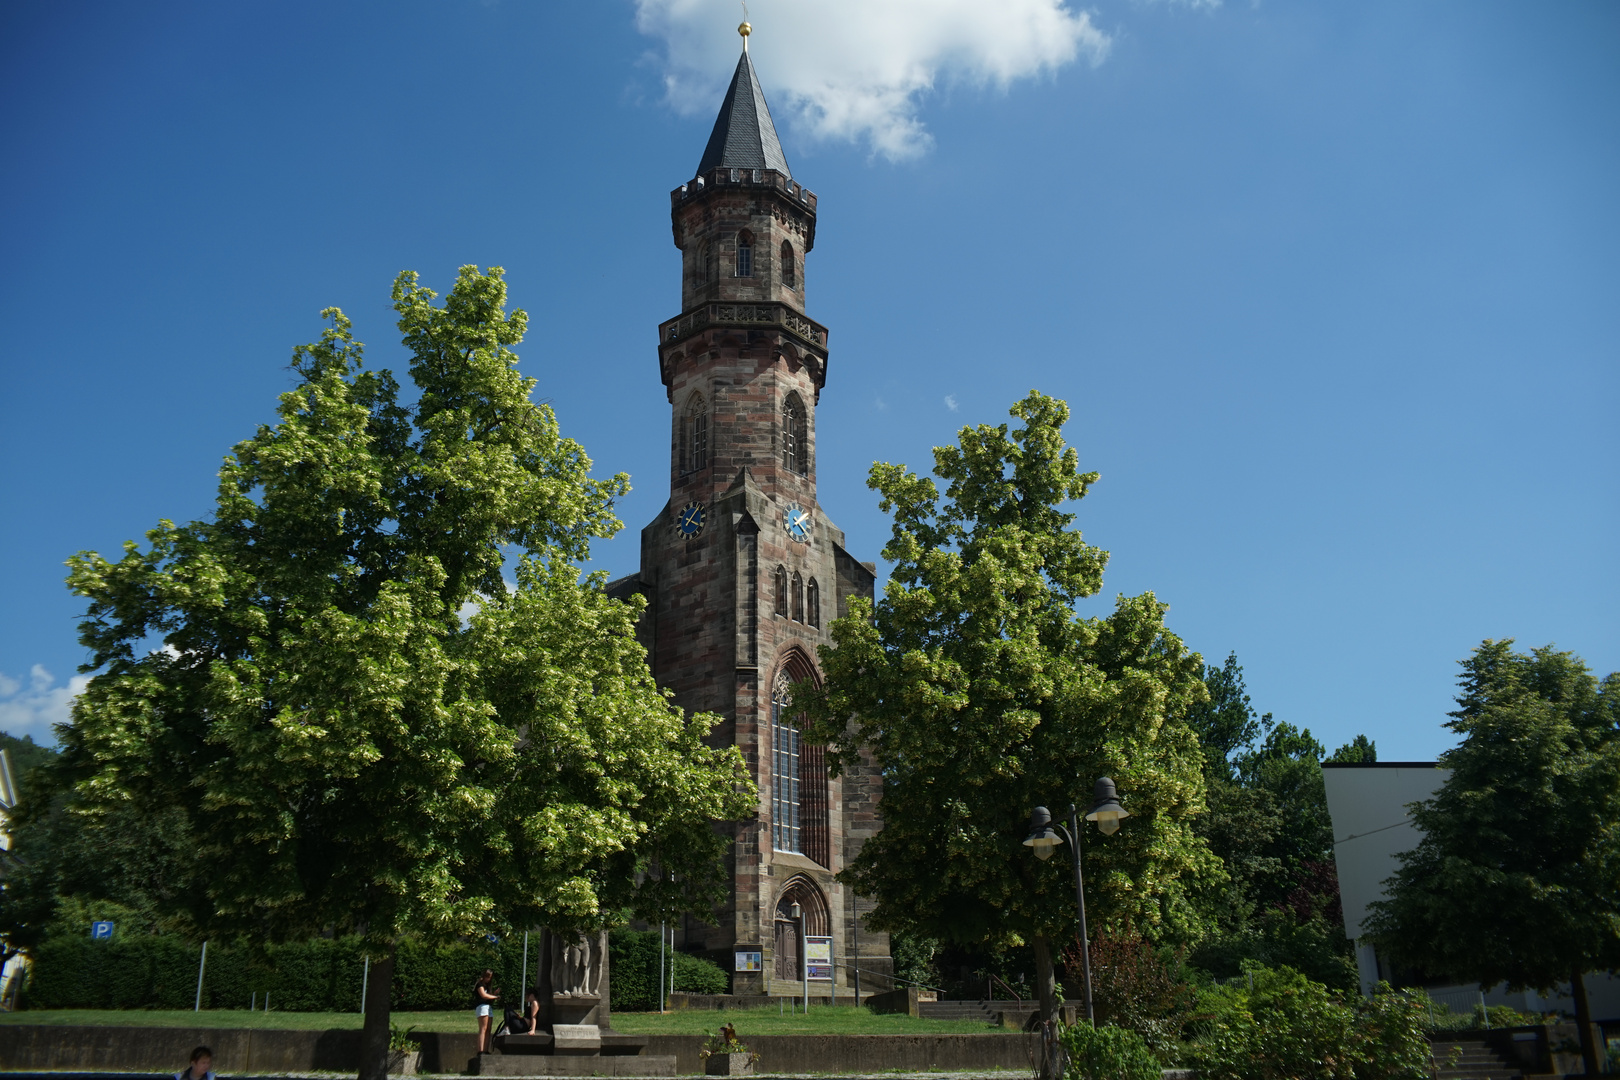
x: 101, y: 931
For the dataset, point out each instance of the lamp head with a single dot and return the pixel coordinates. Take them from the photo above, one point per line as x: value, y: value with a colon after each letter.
x: 1105, y: 809
x: 1042, y: 837
x: 794, y: 911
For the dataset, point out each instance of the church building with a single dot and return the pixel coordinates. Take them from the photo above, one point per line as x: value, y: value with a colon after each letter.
x: 742, y: 570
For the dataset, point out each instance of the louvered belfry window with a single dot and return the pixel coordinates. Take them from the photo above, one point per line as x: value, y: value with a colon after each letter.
x: 795, y: 446
x: 695, y: 436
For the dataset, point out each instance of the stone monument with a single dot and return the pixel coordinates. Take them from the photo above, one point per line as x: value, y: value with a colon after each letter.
x: 575, y: 1035
x: 573, y: 983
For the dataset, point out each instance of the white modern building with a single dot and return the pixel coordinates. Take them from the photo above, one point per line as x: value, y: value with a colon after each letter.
x: 1369, y: 804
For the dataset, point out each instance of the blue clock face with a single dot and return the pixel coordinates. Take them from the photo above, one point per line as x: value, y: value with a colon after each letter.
x: 689, y: 522
x: 797, y: 520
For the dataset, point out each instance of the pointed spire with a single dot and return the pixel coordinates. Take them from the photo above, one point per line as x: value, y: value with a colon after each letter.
x: 743, y: 136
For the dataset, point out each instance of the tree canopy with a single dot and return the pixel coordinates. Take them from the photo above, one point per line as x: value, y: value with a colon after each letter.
x: 1268, y: 823
x: 368, y: 726
x: 981, y: 693
x: 1517, y: 877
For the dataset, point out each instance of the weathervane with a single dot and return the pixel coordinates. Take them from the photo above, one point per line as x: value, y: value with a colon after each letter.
x: 743, y: 28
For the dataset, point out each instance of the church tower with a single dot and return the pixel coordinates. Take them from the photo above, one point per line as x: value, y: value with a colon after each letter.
x: 742, y: 570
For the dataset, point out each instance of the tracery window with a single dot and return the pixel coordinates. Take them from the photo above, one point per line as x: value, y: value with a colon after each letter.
x: 798, y: 597
x: 786, y: 796
x: 795, y: 444
x: 781, y: 591
x: 798, y: 781
x: 812, y: 603
x: 695, y: 435
x: 745, y: 254
x: 789, y: 272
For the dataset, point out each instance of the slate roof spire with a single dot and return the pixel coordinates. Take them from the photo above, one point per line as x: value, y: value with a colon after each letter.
x: 743, y: 136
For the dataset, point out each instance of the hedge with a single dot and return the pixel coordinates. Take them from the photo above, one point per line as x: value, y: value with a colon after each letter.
x: 323, y: 975
x: 634, y: 956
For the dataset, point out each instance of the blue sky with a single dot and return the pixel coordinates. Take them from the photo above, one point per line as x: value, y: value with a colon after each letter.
x: 1332, y: 289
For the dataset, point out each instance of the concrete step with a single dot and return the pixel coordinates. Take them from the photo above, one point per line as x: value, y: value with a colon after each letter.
x: 960, y: 1010
x: 1474, y: 1061
x: 575, y: 1065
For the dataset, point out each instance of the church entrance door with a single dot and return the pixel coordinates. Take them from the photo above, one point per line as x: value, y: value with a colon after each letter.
x: 787, y: 949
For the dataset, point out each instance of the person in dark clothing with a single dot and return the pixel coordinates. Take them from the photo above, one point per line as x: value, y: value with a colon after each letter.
x: 524, y: 1023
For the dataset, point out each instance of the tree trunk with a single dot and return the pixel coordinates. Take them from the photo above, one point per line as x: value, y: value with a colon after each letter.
x: 374, y: 1031
x: 1048, y: 1017
x: 1583, y: 1020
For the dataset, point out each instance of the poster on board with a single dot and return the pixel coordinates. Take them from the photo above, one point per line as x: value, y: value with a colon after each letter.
x: 818, y: 965
x: 750, y: 961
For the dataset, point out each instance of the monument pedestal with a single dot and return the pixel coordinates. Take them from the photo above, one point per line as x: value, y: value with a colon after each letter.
x: 575, y: 1036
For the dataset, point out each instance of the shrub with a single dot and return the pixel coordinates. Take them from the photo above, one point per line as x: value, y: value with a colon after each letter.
x: 1106, y: 1052
x: 1276, y: 939
x: 1136, y: 987
x: 321, y: 975
x: 634, y: 958
x: 151, y: 971
x: 1439, y: 1016
x: 1286, y: 1027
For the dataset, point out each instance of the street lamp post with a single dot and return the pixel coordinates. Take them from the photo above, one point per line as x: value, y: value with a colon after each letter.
x: 1106, y: 812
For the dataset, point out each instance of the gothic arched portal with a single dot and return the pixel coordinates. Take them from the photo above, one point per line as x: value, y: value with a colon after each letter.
x: 813, y: 919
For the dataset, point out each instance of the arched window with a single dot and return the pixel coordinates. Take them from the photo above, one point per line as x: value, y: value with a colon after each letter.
x: 745, y: 254
x: 781, y: 591
x: 795, y: 445
x: 708, y: 262
x: 790, y: 275
x: 798, y: 780
x: 695, y: 435
x: 798, y: 597
x: 812, y: 603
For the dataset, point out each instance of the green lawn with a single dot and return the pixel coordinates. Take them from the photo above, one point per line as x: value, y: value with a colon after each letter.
x: 461, y: 1020
x: 821, y: 1020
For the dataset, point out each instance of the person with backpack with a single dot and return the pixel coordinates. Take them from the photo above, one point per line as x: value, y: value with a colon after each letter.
x: 525, y: 1022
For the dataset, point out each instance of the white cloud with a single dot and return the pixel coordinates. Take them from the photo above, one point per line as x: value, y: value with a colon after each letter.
x: 857, y: 70
x: 950, y: 402
x: 35, y: 707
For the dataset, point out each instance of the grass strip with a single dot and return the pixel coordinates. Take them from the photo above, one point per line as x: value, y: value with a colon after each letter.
x: 763, y: 1020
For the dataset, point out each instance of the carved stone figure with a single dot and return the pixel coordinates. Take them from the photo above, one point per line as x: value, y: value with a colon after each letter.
x: 576, y: 964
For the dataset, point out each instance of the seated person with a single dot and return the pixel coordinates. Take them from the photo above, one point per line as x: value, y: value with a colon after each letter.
x: 525, y: 1022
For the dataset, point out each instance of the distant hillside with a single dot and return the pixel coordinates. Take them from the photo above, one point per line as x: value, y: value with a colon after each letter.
x: 25, y: 753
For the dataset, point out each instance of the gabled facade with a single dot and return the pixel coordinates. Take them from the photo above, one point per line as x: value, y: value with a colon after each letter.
x: 742, y: 570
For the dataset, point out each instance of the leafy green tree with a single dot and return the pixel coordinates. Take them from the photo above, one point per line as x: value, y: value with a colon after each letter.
x: 981, y: 693
x: 1268, y: 822
x: 1517, y: 877
x: 367, y: 728
x: 25, y: 754
x: 1225, y: 722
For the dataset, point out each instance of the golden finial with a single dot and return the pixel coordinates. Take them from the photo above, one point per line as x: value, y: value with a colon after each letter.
x: 743, y: 28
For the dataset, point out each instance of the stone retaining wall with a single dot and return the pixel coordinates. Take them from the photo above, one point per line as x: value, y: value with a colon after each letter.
x: 37, y: 1047
x: 34, y: 1048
